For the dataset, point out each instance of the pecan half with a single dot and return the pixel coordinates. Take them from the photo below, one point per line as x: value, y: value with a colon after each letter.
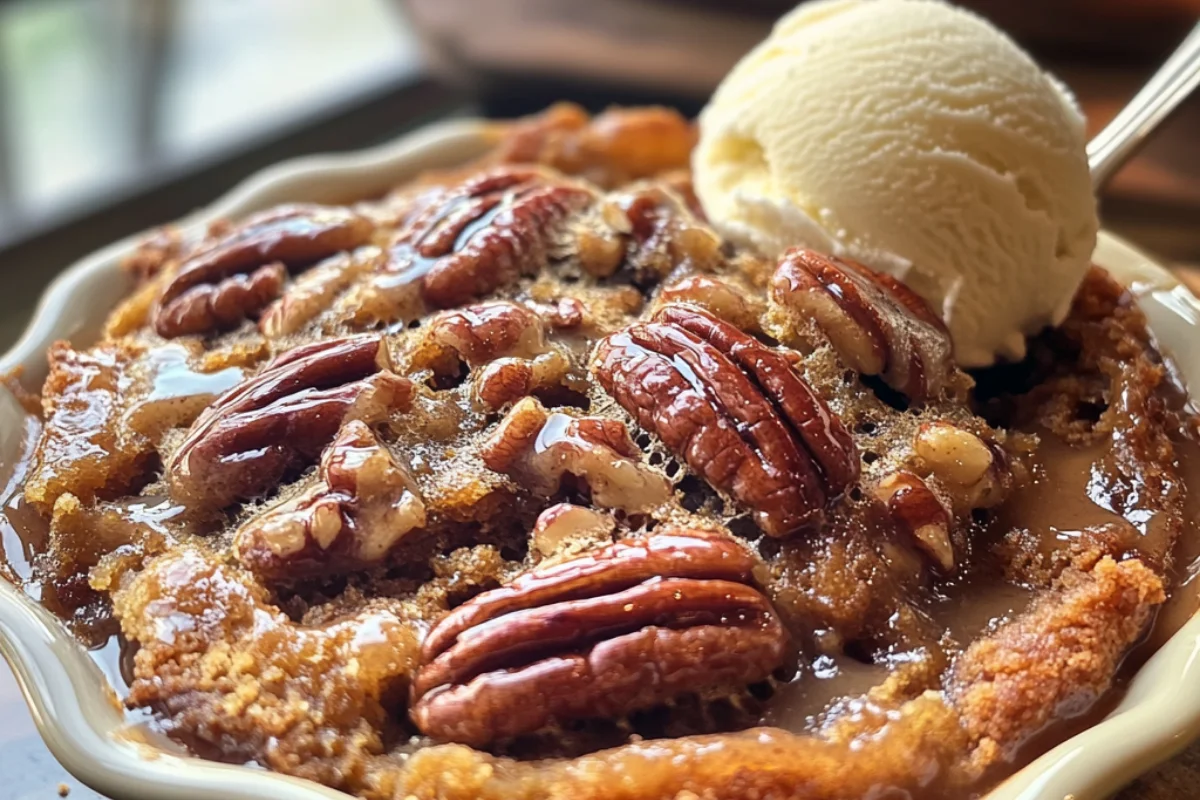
x: 507, y: 380
x: 951, y: 473
x: 220, y: 305
x: 735, y: 410
x: 564, y: 524
x: 487, y: 331
x: 539, y: 449
x: 918, y: 512
x: 485, y: 233
x: 623, y: 628
x: 237, y: 275
x: 567, y: 314
x: 877, y: 324
x: 364, y: 504
x: 508, y: 342
x: 661, y: 231
x: 974, y: 473
x: 315, y: 290
x: 281, y: 419
x: 718, y: 297
x: 599, y: 249
x: 617, y: 146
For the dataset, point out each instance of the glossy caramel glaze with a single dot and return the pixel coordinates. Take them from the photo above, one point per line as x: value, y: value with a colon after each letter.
x: 362, y: 419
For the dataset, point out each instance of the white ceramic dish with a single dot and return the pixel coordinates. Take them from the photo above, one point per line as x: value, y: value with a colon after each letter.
x: 69, y: 696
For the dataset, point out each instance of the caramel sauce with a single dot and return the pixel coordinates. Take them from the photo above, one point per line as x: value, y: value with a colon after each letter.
x: 416, y: 265
x: 969, y: 608
x: 24, y: 536
x: 798, y: 704
x: 1183, y: 600
x: 23, y: 532
x: 1064, y: 498
x: 1062, y: 501
x: 115, y: 659
x: 1070, y: 494
x: 175, y: 379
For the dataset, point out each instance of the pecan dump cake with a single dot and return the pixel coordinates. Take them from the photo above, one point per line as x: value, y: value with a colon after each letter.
x: 520, y: 482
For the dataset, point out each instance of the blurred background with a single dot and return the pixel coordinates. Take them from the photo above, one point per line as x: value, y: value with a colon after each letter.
x: 116, y: 115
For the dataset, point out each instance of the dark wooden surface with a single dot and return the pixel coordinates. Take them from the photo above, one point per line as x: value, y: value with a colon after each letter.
x: 1178, y: 779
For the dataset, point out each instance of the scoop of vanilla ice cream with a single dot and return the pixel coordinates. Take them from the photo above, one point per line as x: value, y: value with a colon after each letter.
x: 916, y: 138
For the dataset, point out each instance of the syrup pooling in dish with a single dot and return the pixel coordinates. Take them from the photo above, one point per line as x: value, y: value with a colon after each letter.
x: 594, y: 499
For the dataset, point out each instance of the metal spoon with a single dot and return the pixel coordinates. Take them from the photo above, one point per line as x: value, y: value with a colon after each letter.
x: 1130, y: 129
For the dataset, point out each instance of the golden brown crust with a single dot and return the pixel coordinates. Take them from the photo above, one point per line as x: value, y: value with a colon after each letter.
x: 1057, y: 658
x: 917, y: 754
x: 233, y: 673
x: 87, y: 448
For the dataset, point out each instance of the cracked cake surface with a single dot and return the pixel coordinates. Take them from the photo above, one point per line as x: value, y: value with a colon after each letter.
x: 519, y: 482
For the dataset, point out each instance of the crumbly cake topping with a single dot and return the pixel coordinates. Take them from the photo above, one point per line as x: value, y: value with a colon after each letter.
x: 520, y: 482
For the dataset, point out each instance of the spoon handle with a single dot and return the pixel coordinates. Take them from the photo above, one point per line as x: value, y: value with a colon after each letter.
x: 1174, y: 81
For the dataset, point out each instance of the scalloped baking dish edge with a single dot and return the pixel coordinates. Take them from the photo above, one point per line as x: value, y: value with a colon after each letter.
x: 75, y: 710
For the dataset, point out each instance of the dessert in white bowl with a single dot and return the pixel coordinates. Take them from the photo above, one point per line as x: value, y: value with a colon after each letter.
x: 867, y: 536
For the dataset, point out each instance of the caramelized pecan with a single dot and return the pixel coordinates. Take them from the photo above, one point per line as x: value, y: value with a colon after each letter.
x: 487, y: 331
x: 364, y: 503
x: 718, y: 297
x: 662, y: 233
x: 599, y: 250
x: 538, y: 449
x: 623, y: 628
x: 565, y: 523
x: 315, y: 290
x: 220, y: 305
x: 281, y: 419
x: 508, y: 342
x: 485, y: 233
x: 639, y: 142
x: 735, y: 410
x: 237, y: 275
x: 918, y: 512
x: 567, y: 314
x: 507, y: 380
x: 616, y: 147
x: 972, y: 472
x: 951, y: 473
x: 877, y: 324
